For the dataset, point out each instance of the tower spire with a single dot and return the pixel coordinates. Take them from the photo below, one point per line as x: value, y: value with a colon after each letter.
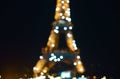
x: 62, y: 10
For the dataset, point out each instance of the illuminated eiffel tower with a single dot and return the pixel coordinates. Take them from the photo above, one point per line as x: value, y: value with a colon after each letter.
x: 57, y: 51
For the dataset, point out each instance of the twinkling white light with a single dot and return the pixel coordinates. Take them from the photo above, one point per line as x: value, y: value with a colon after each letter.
x: 49, y: 38
x: 70, y: 27
x: 68, y: 12
x: 53, y: 45
x: 63, y: 7
x: 61, y: 14
x: 54, y: 57
x: 75, y: 63
x: 74, y: 45
x: 57, y: 9
x: 69, y: 35
x: 41, y: 75
x: 56, y: 31
x: 55, y: 60
x: 82, y: 76
x: 41, y: 57
x: 61, y: 57
x: 52, y: 54
x: 63, y: 17
x: 50, y: 59
x: 68, y: 19
x: 78, y: 57
x: 65, y: 28
x: 68, y: 9
x: 62, y: 2
x: 75, y: 48
x: 35, y: 68
x: 68, y: 1
x: 58, y: 59
x: 57, y: 27
x: 73, y: 41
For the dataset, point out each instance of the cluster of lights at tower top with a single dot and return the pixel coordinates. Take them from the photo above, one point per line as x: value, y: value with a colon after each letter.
x: 63, y: 10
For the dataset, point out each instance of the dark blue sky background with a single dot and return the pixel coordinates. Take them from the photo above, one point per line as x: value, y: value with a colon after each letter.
x: 25, y: 26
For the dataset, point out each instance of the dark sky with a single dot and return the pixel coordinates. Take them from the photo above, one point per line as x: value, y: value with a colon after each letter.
x: 25, y: 26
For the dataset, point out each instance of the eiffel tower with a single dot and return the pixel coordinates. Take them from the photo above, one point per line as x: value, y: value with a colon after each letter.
x: 58, y: 55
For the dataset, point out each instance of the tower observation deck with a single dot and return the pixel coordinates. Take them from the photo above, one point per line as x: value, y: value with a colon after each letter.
x: 60, y: 56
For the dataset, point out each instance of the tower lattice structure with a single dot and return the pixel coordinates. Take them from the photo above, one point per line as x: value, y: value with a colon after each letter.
x: 52, y: 53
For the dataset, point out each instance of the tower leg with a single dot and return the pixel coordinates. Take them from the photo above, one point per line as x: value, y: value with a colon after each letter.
x: 38, y: 67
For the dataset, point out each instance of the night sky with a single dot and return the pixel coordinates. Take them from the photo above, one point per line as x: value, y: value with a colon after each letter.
x: 25, y: 26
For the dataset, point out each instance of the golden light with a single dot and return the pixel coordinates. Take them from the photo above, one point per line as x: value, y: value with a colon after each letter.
x: 45, y: 69
x: 53, y: 45
x: 104, y: 77
x: 94, y: 77
x: 81, y: 70
x: 42, y: 73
